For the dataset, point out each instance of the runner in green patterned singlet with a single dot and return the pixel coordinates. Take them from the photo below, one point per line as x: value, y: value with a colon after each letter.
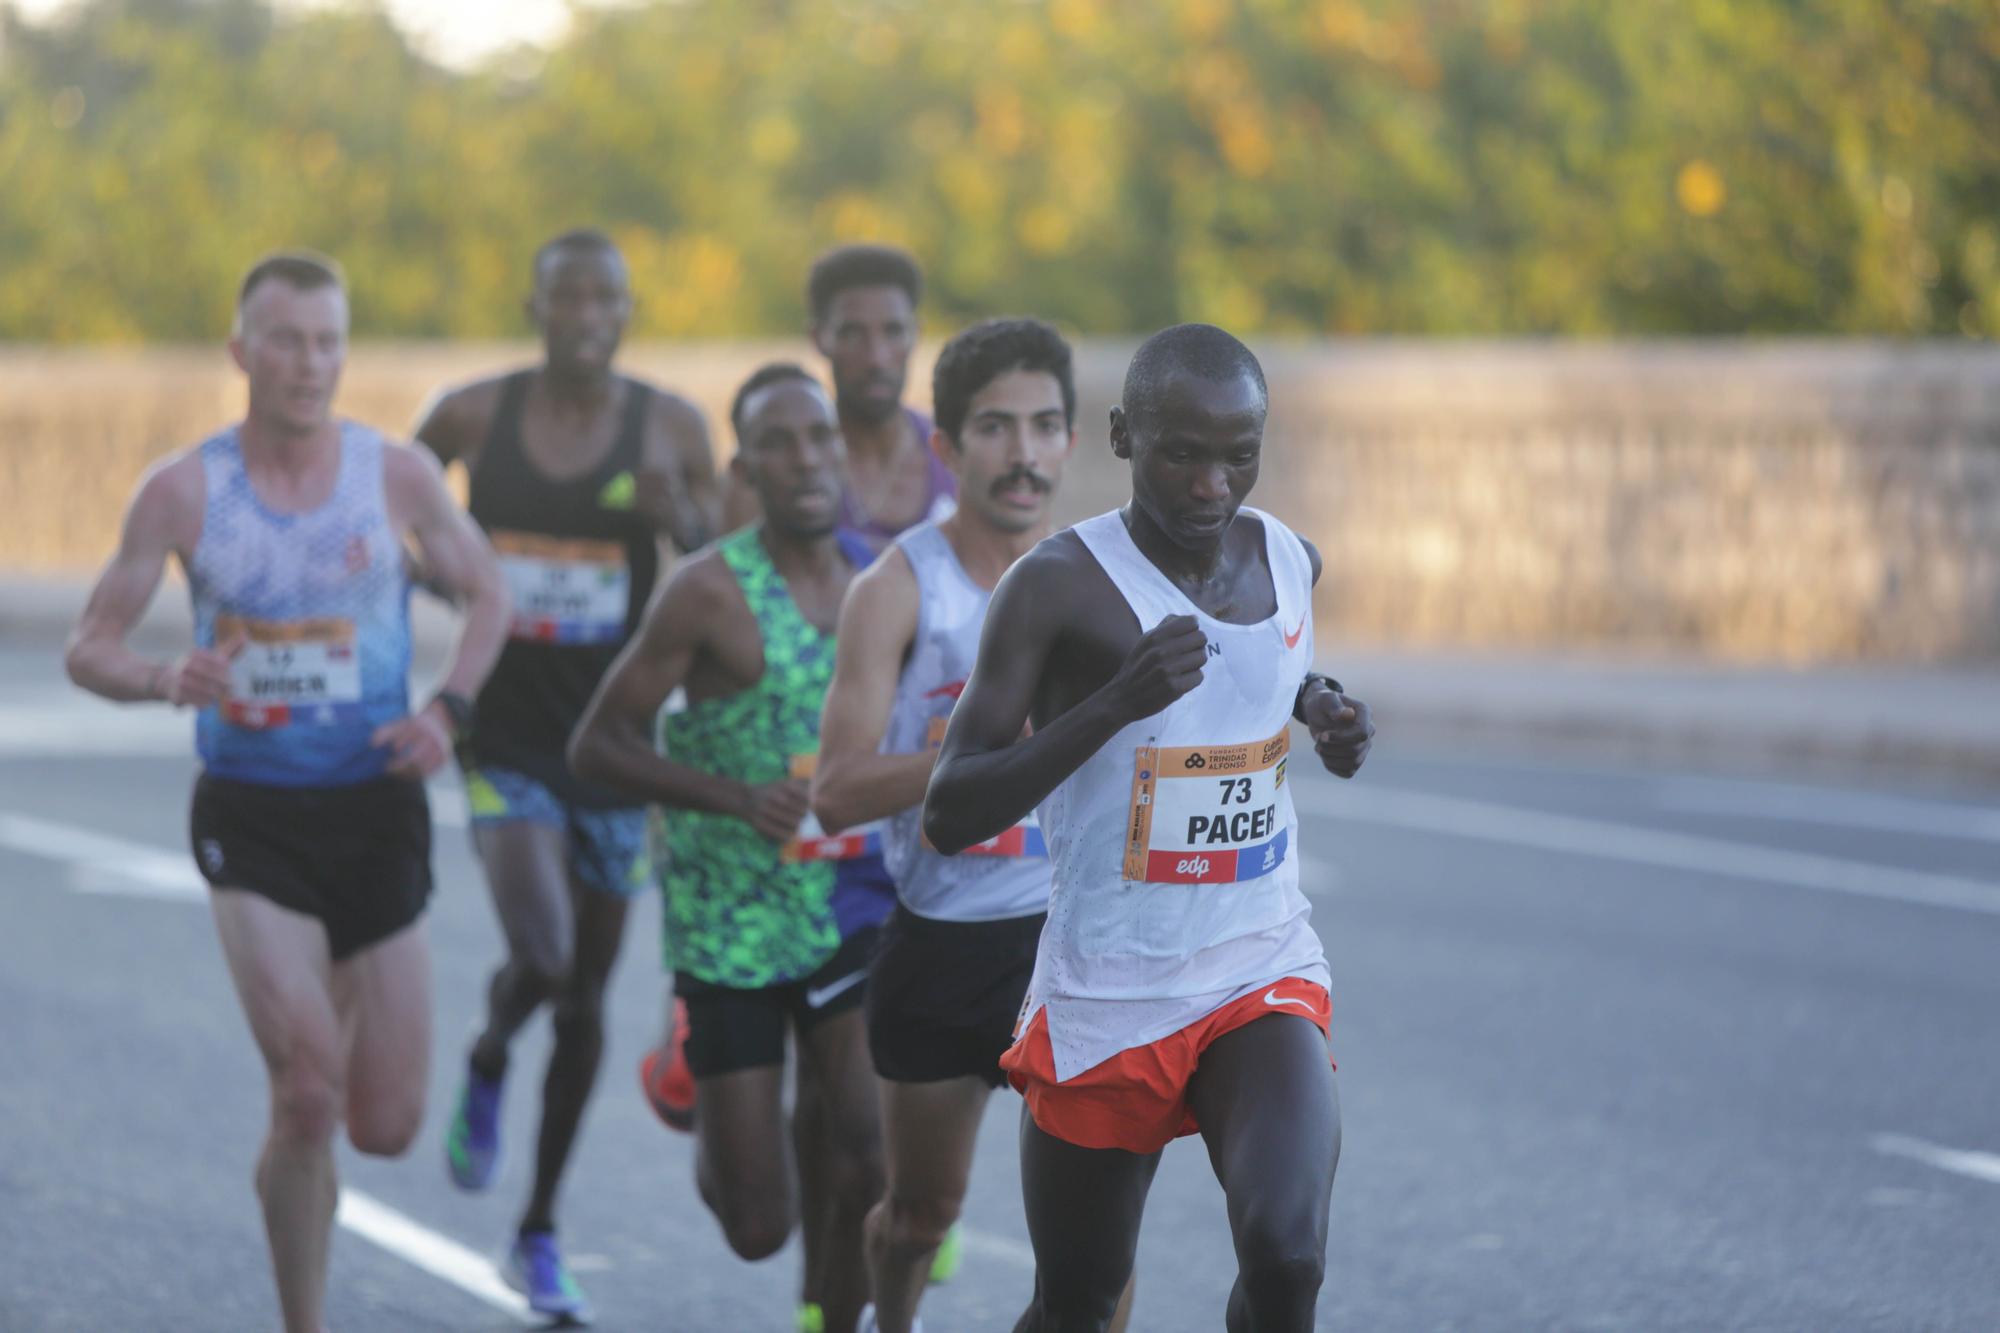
x: 746, y: 628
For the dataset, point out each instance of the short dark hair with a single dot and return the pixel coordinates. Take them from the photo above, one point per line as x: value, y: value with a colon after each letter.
x: 1201, y: 350
x: 307, y: 270
x: 589, y: 240
x: 977, y: 356
x: 852, y: 266
x: 771, y: 372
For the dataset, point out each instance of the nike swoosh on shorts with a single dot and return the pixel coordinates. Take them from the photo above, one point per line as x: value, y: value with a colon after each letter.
x: 1271, y: 996
x: 816, y: 998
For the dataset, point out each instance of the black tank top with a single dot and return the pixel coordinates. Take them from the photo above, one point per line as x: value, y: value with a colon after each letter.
x: 581, y: 563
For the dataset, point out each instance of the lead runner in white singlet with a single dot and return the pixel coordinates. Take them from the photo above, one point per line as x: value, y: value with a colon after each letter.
x: 1159, y: 653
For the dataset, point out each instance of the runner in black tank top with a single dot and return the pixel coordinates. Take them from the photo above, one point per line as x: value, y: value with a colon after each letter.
x: 562, y: 642
x: 576, y: 472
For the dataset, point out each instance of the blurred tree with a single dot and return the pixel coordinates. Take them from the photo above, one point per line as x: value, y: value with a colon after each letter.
x: 1385, y: 166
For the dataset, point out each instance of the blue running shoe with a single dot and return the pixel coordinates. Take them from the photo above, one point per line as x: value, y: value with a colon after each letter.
x: 472, y: 1144
x: 535, y: 1269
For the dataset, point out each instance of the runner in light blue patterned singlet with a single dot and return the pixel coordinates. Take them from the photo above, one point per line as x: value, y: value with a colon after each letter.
x: 320, y: 602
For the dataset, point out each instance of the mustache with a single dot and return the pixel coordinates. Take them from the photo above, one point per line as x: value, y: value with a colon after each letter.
x: 1041, y: 484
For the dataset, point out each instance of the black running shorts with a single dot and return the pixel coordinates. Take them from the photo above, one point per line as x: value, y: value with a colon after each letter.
x: 731, y: 1029
x: 944, y: 996
x: 357, y: 858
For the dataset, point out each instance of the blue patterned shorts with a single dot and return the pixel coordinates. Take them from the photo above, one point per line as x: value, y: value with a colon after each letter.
x: 609, y: 850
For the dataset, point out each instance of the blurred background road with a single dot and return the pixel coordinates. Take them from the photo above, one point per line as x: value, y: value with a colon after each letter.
x: 1622, y: 1045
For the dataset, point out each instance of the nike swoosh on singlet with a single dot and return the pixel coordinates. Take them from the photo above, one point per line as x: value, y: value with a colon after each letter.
x: 1271, y: 996
x: 1292, y: 639
x: 817, y: 998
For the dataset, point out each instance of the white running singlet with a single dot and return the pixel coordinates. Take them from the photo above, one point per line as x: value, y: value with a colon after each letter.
x: 999, y: 879
x: 1176, y: 886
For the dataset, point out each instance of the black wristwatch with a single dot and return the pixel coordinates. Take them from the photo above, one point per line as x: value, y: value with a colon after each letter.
x: 1312, y: 678
x: 459, y: 709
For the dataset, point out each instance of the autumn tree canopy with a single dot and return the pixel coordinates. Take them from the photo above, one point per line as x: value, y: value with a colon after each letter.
x: 1435, y: 167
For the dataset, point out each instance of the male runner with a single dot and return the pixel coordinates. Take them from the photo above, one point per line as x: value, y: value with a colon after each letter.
x: 752, y: 935
x: 576, y: 474
x: 954, y: 959
x: 862, y: 307
x: 1160, y: 652
x: 309, y: 818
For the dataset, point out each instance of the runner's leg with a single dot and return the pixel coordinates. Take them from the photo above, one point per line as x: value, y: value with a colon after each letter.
x: 833, y: 1054
x: 929, y: 1131
x: 742, y: 1166
x: 579, y: 1044
x: 524, y: 862
x: 1265, y: 1097
x: 1084, y: 1206
x: 283, y: 974
x: 383, y: 994
x: 809, y: 1151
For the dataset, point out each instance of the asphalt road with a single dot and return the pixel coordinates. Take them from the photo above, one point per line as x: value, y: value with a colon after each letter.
x: 1618, y: 1050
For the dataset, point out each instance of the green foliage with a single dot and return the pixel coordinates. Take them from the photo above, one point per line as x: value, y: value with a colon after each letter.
x: 1379, y: 166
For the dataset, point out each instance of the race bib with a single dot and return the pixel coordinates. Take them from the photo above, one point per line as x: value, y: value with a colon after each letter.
x: 1024, y: 839
x: 813, y: 843
x: 1207, y: 814
x: 290, y: 671
x: 565, y: 591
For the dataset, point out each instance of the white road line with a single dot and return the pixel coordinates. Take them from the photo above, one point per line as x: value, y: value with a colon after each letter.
x: 100, y: 863
x: 1827, y: 807
x: 103, y: 864
x: 1573, y: 836
x: 1004, y: 1248
x: 420, y: 1247
x: 448, y: 806
x: 1959, y: 1161
x: 73, y: 726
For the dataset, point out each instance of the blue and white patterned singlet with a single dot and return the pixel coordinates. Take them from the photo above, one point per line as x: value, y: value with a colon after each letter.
x: 321, y: 603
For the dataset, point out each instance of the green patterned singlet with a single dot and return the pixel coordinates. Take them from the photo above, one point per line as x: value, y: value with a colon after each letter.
x: 736, y: 915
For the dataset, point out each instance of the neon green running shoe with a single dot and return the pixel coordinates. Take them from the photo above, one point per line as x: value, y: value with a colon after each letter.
x: 944, y: 1264
x: 812, y: 1319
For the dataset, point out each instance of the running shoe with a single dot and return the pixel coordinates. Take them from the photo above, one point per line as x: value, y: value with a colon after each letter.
x: 535, y: 1269
x: 665, y: 1076
x: 944, y: 1264
x: 472, y: 1144
x: 811, y: 1318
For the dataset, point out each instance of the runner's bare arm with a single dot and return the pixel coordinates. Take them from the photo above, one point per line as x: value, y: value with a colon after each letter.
x: 988, y: 776
x: 165, y: 518
x: 676, y: 484
x: 453, y: 424
x: 455, y: 553
x: 853, y: 783
x: 613, y: 741
x: 1341, y: 728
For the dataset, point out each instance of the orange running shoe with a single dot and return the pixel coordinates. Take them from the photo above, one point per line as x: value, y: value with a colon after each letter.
x: 664, y: 1075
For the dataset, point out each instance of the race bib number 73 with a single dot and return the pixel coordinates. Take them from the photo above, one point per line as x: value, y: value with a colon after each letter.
x: 1207, y: 814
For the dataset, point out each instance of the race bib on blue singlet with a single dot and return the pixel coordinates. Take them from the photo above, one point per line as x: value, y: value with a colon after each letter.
x: 290, y: 671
